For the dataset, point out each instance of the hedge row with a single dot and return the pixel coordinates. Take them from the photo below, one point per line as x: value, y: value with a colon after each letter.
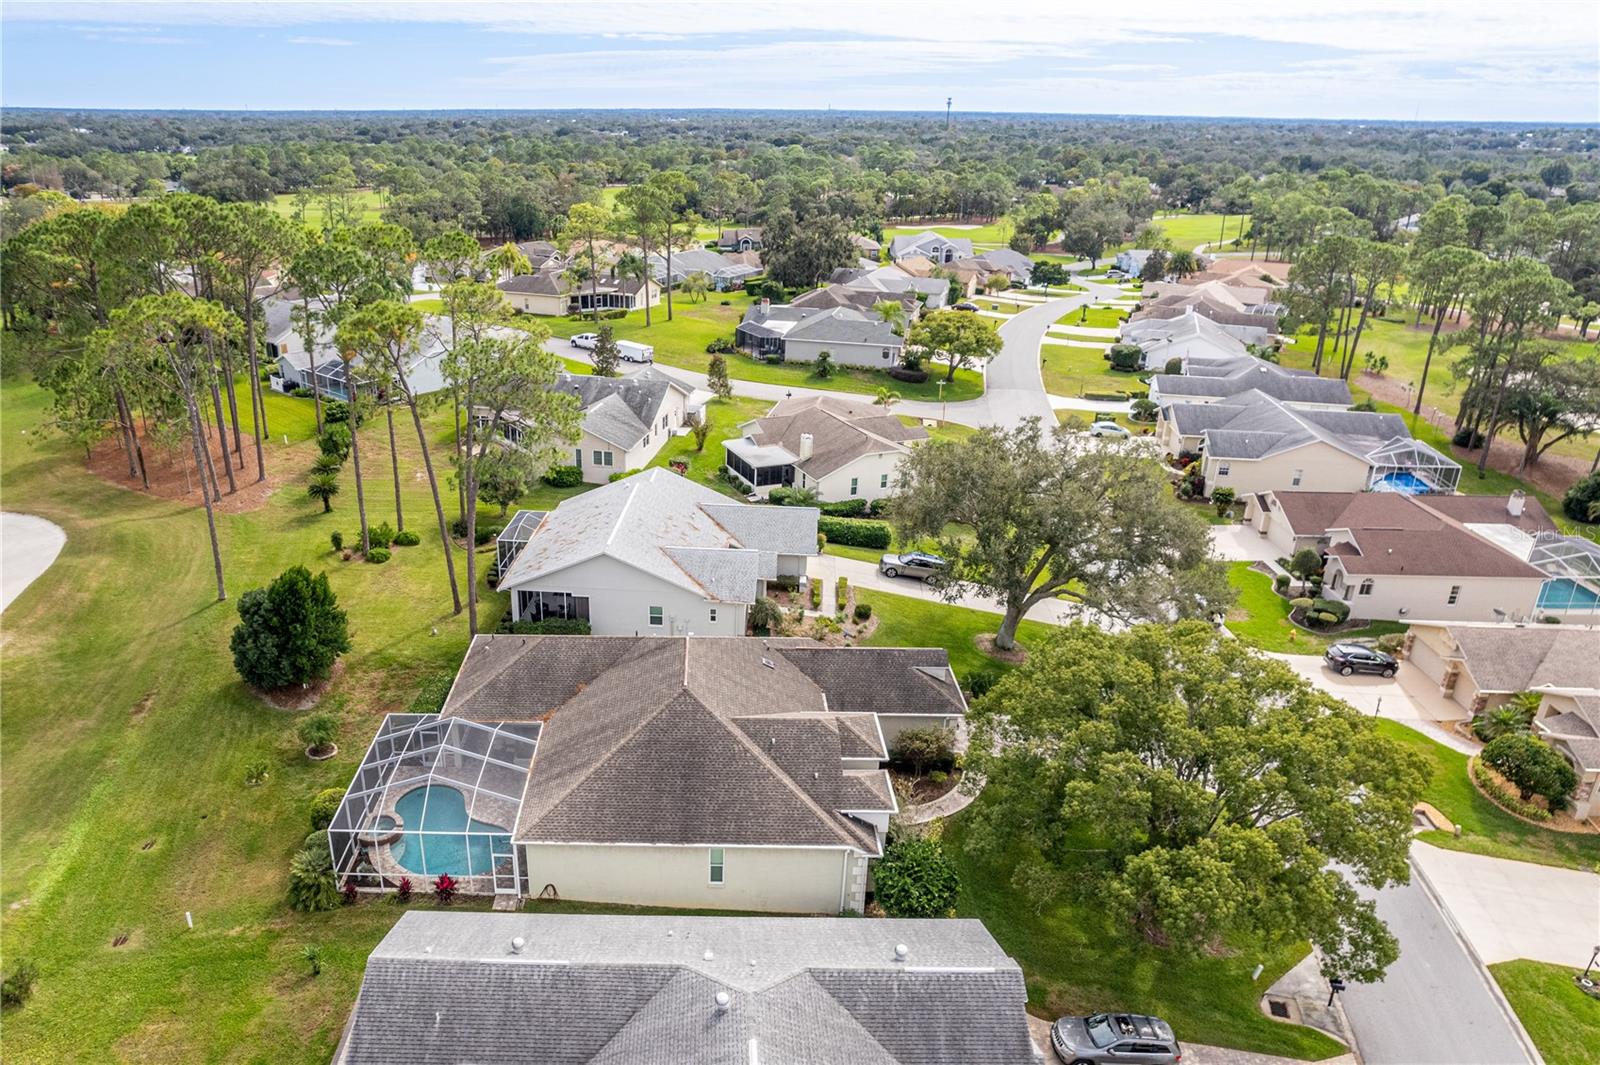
x: 855, y: 533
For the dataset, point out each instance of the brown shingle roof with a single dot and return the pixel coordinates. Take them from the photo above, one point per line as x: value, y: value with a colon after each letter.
x: 841, y: 431
x: 1402, y: 535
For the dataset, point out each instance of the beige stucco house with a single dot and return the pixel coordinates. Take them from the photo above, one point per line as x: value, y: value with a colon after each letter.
x: 548, y: 292
x: 839, y: 447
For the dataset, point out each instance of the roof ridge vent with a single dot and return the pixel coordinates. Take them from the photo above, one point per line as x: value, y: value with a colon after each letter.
x: 901, y: 952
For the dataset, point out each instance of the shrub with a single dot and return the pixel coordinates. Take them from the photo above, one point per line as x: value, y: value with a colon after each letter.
x: 301, y: 392
x: 1582, y: 501
x: 349, y: 895
x: 921, y: 748
x: 788, y: 582
x: 487, y: 533
x: 1533, y: 767
x: 979, y: 681
x: 336, y: 538
x: 816, y: 592
x: 381, y: 535
x: 1492, y: 788
x: 312, y: 954
x: 1144, y: 409
x: 402, y: 891
x: 1174, y: 365
x: 1300, y: 603
x: 444, y: 889
x: 17, y: 987
x: 1467, y: 438
x: 318, y: 731
x: 844, y: 508
x: 1281, y: 581
x: 824, y: 365
x: 1323, y: 617
x: 1339, y: 610
x: 326, y: 464
x: 256, y: 772
x: 378, y: 556
x: 1126, y: 357
x: 1222, y: 499
x: 721, y: 346
x: 620, y: 474
x: 324, y: 804
x: 863, y: 611
x: 290, y: 632
x: 915, y: 878
x: 765, y: 617
x: 551, y: 627
x: 311, y: 884
x: 910, y: 375
x: 938, y: 776
x: 854, y: 533
x: 407, y: 538
x: 562, y: 477
x: 335, y: 441
x: 335, y: 411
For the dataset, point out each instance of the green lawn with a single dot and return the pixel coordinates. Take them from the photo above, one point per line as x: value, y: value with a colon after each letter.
x: 992, y: 234
x: 1485, y: 828
x: 725, y: 417
x: 1071, y: 371
x: 1563, y: 1022
x: 1188, y: 230
x: 368, y: 202
x: 1077, y: 961
x: 904, y: 621
x: 1091, y: 317
x: 1260, y: 618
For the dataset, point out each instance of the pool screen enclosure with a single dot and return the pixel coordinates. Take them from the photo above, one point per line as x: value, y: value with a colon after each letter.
x: 434, y: 795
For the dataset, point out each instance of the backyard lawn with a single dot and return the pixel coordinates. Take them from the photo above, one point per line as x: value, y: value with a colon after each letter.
x: 1077, y: 961
x: 1260, y: 617
x: 1563, y: 1022
x: 1485, y: 828
x: 1091, y: 317
x: 725, y: 416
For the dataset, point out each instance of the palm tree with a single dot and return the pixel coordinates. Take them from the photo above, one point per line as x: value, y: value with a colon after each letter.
x: 507, y: 259
x: 636, y: 267
x: 1513, y: 716
x: 324, y: 486
x: 1182, y: 264
x: 893, y: 313
x: 887, y: 398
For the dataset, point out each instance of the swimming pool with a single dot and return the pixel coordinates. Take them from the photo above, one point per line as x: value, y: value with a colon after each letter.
x: 1404, y: 482
x: 439, y: 837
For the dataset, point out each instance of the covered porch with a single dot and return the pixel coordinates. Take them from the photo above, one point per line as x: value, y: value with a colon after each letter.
x: 762, y: 466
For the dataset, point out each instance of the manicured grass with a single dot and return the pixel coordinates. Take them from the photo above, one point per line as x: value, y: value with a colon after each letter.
x: 367, y: 202
x: 725, y: 416
x: 1260, y: 617
x: 1563, y: 1022
x: 682, y: 343
x: 1188, y: 230
x: 993, y: 233
x: 1071, y: 371
x: 1485, y: 828
x: 904, y: 621
x: 1077, y: 960
x: 1091, y: 317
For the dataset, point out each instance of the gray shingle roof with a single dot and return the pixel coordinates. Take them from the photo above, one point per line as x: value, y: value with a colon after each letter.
x: 1513, y: 659
x: 916, y: 243
x: 445, y: 988
x: 841, y: 430
x: 1252, y: 425
x: 1290, y: 386
x: 621, y: 410
x: 702, y: 740
x: 638, y: 519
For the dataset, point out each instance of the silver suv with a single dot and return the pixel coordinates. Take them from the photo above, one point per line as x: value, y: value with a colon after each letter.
x: 918, y: 564
x: 1115, y: 1037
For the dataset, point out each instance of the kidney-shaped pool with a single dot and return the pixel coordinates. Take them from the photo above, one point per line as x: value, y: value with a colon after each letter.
x: 439, y: 837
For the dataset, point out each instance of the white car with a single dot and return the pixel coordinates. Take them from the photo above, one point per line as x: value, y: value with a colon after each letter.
x: 1108, y: 429
x: 586, y: 340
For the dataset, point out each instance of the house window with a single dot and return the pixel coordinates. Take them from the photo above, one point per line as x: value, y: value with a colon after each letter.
x: 663, y: 421
x: 1222, y: 469
x: 717, y: 872
x: 886, y: 353
x: 657, y: 616
x: 1455, y: 593
x: 604, y: 458
x: 577, y: 457
x: 854, y: 481
x: 1366, y: 587
x: 713, y: 615
x: 1294, y: 482
x: 883, y: 480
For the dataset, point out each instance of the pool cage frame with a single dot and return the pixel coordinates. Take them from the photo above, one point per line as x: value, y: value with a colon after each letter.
x: 1567, y: 558
x: 1404, y: 455
x: 486, y: 763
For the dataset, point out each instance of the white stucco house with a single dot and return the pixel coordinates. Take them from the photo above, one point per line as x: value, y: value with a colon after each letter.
x: 837, y: 446
x: 690, y: 771
x: 724, y: 272
x: 1252, y: 442
x: 625, y: 419
x: 893, y: 281
x: 930, y: 245
x: 654, y: 554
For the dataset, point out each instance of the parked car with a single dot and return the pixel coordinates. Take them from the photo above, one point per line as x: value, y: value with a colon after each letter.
x: 912, y: 564
x: 1108, y: 429
x: 965, y: 305
x: 1350, y: 658
x: 586, y: 340
x: 1115, y: 1037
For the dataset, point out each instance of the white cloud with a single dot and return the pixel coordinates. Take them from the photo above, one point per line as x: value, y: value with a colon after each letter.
x: 324, y: 42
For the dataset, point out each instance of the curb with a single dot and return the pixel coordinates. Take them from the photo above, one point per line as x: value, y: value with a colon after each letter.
x: 1483, y: 970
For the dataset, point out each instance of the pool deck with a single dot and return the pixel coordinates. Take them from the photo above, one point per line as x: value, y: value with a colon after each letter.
x: 490, y: 809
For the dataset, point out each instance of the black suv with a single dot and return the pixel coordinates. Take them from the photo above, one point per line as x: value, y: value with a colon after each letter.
x: 1348, y: 658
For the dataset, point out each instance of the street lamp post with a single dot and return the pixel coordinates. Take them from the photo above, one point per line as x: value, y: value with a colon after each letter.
x: 941, y: 402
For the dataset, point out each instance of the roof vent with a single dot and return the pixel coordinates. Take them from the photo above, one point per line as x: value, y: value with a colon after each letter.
x: 708, y: 956
x: 901, y: 952
x: 723, y: 998
x: 517, y: 943
x: 769, y: 663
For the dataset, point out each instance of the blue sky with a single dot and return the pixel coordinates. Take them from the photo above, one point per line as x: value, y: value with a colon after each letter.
x: 1289, y: 58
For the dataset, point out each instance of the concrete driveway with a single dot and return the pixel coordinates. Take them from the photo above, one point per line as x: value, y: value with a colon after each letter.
x: 866, y: 575
x: 1508, y: 910
x: 1241, y: 543
x: 28, y: 547
x: 1409, y: 697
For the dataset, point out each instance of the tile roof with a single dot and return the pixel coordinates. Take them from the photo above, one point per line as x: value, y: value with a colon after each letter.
x: 842, y: 430
x: 697, y: 740
x: 443, y: 988
x: 640, y: 519
x: 1506, y: 658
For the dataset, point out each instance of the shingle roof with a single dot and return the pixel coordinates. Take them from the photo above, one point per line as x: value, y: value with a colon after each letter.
x: 914, y: 243
x: 1152, y: 333
x: 639, y: 519
x: 702, y: 740
x: 841, y: 430
x: 443, y: 988
x: 621, y: 410
x: 1515, y: 658
x: 1312, y: 513
x: 844, y: 325
x: 1290, y: 386
x: 1401, y: 535
x: 1252, y: 425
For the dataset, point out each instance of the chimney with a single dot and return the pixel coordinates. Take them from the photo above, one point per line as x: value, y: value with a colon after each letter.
x: 762, y: 308
x: 1515, y: 502
x: 805, y: 446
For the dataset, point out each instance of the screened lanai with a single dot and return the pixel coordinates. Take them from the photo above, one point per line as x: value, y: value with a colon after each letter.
x: 434, y: 795
x: 1573, y: 566
x: 1411, y: 468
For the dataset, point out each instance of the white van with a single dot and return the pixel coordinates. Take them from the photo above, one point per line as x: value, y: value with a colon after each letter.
x: 635, y: 352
